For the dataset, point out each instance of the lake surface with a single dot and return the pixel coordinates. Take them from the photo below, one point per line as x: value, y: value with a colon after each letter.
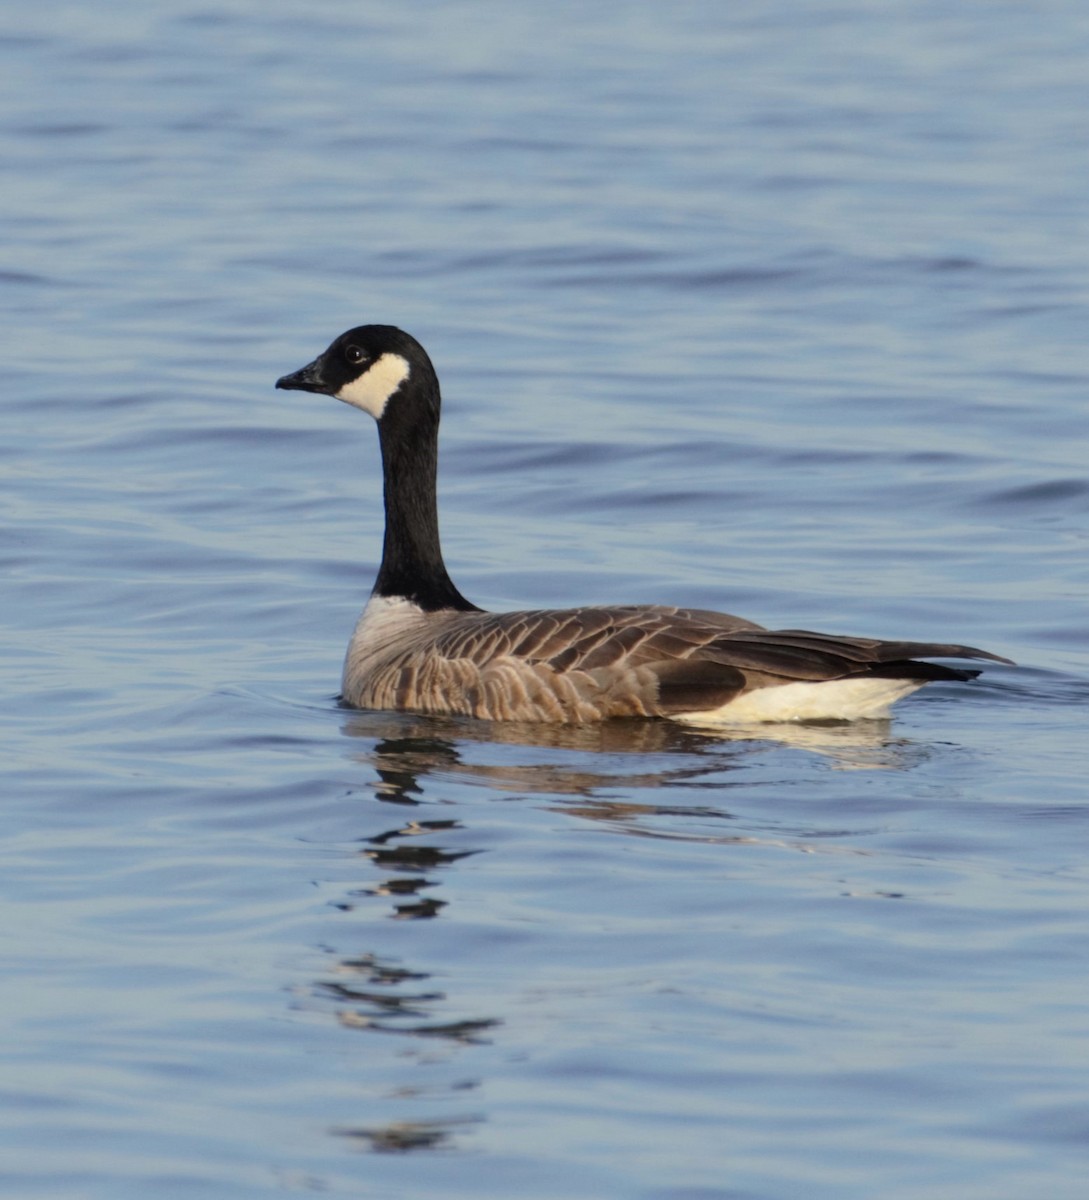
x: 774, y: 308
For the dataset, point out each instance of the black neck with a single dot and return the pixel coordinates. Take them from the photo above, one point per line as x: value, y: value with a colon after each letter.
x: 412, y: 565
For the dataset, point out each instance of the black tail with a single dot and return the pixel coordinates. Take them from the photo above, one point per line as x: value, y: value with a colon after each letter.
x: 927, y: 671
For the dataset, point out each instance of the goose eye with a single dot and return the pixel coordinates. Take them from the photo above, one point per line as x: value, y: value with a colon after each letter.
x: 354, y: 354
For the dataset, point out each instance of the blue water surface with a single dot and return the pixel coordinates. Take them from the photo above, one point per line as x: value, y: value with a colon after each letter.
x: 776, y: 308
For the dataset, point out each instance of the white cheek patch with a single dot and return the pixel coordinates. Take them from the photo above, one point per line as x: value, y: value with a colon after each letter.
x: 372, y: 390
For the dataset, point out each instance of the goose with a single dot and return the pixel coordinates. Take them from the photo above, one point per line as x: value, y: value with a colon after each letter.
x: 420, y: 646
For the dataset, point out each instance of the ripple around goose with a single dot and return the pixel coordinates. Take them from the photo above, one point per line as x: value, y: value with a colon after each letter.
x: 420, y: 646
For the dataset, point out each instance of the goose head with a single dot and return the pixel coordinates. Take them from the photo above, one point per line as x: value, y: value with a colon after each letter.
x: 386, y: 372
x: 368, y: 367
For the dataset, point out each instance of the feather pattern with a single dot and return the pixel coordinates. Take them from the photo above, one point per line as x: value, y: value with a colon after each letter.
x: 597, y: 663
x: 420, y: 646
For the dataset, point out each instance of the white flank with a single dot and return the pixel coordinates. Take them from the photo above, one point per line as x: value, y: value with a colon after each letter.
x: 834, y: 700
x: 372, y: 390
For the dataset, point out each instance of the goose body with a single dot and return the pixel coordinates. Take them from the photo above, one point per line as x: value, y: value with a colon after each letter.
x: 420, y: 646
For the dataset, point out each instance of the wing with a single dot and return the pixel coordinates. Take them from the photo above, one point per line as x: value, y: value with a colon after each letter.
x: 592, y: 663
x: 574, y: 665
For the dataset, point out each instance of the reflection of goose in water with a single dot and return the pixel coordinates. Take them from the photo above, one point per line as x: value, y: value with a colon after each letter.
x: 629, y: 755
x: 409, y: 748
x: 420, y: 646
x: 606, y: 777
x: 377, y: 996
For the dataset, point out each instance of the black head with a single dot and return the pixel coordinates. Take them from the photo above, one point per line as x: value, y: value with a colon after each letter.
x: 366, y: 367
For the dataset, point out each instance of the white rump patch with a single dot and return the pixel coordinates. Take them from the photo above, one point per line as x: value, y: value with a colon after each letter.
x: 832, y: 700
x: 372, y: 390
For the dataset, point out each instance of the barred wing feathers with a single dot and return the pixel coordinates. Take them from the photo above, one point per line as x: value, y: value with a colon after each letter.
x: 593, y: 663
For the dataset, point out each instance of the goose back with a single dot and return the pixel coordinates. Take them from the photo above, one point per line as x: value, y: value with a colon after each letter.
x: 597, y: 663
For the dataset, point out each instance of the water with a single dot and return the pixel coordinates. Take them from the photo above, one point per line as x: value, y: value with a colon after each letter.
x: 778, y: 309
